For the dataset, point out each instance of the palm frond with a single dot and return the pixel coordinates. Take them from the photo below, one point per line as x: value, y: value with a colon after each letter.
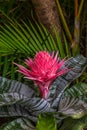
x: 15, y: 10
x: 8, y: 69
x: 25, y: 39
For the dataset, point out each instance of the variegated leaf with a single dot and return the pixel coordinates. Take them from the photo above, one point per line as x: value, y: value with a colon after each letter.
x: 73, y: 107
x: 20, y: 101
x: 74, y: 101
x: 18, y: 124
x: 13, y: 86
x: 77, y: 66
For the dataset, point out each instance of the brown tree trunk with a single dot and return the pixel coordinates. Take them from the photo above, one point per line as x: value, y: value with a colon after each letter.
x: 47, y: 14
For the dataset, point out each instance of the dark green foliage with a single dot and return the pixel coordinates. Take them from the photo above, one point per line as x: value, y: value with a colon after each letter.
x: 18, y: 124
x: 14, y: 9
x: 65, y: 108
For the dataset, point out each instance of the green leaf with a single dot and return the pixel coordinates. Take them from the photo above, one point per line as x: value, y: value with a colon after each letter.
x: 67, y: 47
x: 26, y: 39
x: 71, y: 124
x: 18, y: 124
x: 8, y: 69
x: 60, y: 44
x: 46, y: 121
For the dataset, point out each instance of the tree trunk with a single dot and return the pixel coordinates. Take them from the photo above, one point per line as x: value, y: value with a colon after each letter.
x: 47, y: 14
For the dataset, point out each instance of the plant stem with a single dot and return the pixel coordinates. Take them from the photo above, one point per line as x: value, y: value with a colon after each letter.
x: 68, y: 33
x: 75, y: 45
x: 76, y: 29
x: 80, y: 8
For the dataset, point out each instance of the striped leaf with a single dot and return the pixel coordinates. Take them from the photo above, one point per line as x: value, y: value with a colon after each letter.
x: 26, y: 107
x: 77, y: 90
x: 77, y: 65
x: 74, y: 101
x: 13, y: 86
x: 72, y: 106
x: 18, y: 124
x: 17, y: 99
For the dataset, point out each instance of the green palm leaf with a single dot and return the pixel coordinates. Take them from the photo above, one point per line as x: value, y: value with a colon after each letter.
x: 25, y: 38
x: 8, y: 69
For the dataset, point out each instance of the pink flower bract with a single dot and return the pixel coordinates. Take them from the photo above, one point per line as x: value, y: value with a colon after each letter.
x: 43, y: 69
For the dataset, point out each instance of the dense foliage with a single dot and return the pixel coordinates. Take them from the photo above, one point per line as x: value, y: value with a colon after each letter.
x: 21, y: 106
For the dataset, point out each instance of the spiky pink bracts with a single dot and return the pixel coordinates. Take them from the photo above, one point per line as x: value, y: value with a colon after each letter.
x: 43, y: 69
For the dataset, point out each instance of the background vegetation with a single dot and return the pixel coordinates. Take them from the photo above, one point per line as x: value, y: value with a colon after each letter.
x: 18, y: 24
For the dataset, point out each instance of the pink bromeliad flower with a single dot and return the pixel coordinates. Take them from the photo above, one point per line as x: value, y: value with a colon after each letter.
x: 43, y: 69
